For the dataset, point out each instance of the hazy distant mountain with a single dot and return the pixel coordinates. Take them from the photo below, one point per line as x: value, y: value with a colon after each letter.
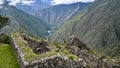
x: 23, y: 21
x: 57, y: 14
x: 98, y: 26
x: 39, y: 4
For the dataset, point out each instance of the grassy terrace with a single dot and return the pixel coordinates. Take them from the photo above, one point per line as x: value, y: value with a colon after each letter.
x: 30, y: 56
x: 63, y: 51
x: 28, y: 53
x: 7, y: 58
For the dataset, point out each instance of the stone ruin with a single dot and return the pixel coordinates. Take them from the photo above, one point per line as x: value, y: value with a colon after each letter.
x: 75, y: 41
x: 53, y: 61
x: 74, y: 46
x: 92, y: 60
x: 37, y: 46
x: 58, y: 62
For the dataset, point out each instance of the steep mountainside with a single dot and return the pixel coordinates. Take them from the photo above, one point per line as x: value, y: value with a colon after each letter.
x: 23, y: 21
x: 57, y: 14
x: 98, y: 26
x: 39, y: 4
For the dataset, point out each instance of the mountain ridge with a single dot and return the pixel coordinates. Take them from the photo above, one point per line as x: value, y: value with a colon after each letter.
x: 39, y: 4
x: 25, y: 22
x: 56, y: 15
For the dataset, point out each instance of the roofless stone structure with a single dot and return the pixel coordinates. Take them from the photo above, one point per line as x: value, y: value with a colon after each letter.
x: 33, y: 53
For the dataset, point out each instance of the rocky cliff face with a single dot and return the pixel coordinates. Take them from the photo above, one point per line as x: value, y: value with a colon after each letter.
x: 98, y: 26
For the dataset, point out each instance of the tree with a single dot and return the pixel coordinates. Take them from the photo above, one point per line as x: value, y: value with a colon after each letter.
x: 3, y: 21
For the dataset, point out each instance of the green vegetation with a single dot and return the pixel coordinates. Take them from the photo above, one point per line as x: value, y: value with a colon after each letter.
x: 4, y: 39
x: 96, y: 26
x: 56, y: 15
x: 71, y: 57
x: 3, y: 21
x: 28, y: 54
x: 63, y: 39
x: 87, y: 66
x: 63, y: 51
x: 69, y: 22
x: 113, y: 51
x: 7, y: 57
x: 28, y: 23
x: 91, y: 51
x: 65, y: 28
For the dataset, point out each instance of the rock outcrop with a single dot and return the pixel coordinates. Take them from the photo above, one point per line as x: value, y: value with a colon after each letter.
x: 75, y: 41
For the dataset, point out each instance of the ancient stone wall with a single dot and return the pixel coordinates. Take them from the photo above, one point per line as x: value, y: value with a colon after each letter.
x: 19, y: 55
x: 55, y: 61
x: 83, y: 52
x: 37, y: 46
x: 58, y: 61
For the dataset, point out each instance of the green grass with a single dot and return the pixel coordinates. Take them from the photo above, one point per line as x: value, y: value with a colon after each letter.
x: 7, y: 57
x: 64, y: 52
x: 111, y: 52
x: 66, y: 26
x: 69, y: 22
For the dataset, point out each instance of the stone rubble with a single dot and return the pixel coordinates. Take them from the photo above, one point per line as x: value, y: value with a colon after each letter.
x: 37, y: 46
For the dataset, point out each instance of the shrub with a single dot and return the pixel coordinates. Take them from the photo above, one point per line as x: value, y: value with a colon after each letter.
x: 71, y: 57
x: 87, y: 66
x: 3, y: 21
x: 4, y: 39
x: 63, y: 39
x: 65, y: 51
x: 58, y: 45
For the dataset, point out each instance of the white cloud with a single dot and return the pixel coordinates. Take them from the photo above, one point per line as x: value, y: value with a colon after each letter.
x: 14, y: 2
x: 56, y: 2
x: 1, y: 2
x: 27, y: 2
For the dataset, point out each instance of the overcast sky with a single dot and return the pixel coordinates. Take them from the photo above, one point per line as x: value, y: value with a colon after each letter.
x: 53, y: 2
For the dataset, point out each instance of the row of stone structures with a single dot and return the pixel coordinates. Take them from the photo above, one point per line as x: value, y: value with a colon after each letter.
x: 58, y: 61
x: 55, y: 61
